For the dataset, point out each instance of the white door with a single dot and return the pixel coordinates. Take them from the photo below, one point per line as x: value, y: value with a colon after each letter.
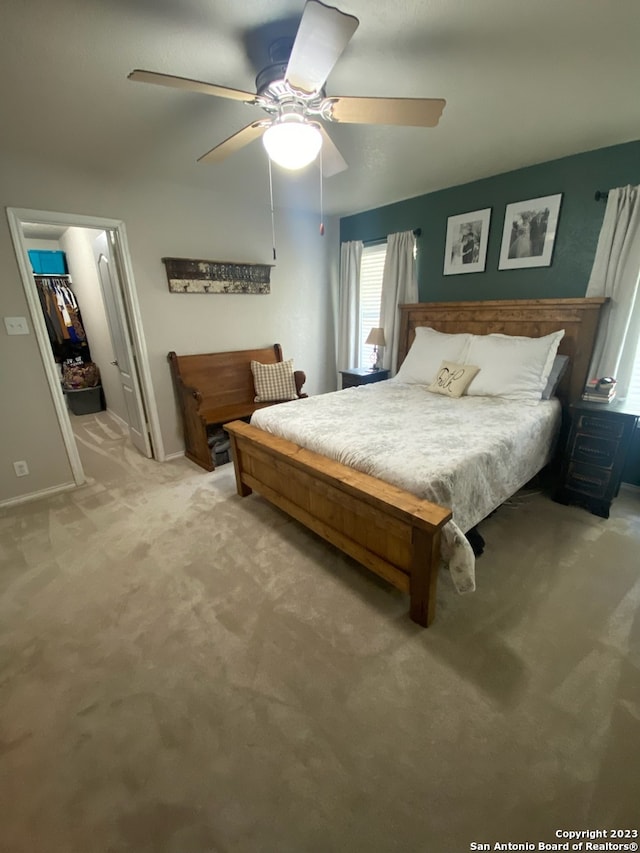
x: 104, y: 250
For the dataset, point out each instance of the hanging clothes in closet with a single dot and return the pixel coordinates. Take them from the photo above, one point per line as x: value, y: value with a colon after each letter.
x: 62, y: 318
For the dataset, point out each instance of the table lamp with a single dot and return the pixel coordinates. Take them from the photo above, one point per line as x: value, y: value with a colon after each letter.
x: 376, y: 337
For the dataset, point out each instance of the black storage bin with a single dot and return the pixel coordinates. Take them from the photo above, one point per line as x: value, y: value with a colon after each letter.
x: 85, y: 401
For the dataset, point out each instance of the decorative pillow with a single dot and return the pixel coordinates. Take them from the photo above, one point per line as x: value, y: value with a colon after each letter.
x: 274, y: 383
x: 560, y: 364
x: 428, y: 350
x: 511, y: 366
x: 453, y: 379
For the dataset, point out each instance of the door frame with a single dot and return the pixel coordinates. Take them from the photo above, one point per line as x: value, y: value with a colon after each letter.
x: 132, y: 321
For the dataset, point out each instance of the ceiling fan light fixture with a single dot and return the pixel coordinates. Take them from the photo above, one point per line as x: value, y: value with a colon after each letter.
x: 292, y: 142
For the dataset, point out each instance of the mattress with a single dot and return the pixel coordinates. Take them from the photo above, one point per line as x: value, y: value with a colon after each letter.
x: 468, y: 454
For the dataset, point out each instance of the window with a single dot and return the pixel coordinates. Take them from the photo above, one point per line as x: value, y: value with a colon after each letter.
x: 633, y: 395
x: 371, y: 269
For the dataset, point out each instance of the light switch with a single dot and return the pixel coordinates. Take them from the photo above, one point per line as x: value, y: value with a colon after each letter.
x: 16, y: 325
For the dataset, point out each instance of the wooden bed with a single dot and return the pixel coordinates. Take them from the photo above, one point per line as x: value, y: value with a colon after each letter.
x: 388, y: 530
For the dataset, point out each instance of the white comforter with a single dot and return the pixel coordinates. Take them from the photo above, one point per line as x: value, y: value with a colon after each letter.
x: 468, y: 454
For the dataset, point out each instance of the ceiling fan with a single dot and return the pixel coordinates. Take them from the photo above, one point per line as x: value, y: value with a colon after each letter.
x: 291, y: 91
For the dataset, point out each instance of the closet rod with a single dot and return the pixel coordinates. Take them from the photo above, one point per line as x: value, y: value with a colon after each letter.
x: 51, y: 275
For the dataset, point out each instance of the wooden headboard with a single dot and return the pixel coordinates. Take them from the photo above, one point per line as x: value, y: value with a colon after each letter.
x: 531, y: 317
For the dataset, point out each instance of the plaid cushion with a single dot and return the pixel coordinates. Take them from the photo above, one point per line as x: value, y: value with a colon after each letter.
x: 274, y: 382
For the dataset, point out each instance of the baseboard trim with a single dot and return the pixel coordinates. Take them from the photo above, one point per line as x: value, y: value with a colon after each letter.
x: 630, y: 487
x: 36, y: 496
x: 118, y: 419
x: 171, y: 456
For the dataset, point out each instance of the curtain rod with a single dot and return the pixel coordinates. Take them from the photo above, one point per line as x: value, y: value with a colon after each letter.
x: 601, y: 195
x: 417, y: 232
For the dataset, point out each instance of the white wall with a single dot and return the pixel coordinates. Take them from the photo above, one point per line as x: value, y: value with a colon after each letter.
x: 165, y: 220
x: 47, y: 245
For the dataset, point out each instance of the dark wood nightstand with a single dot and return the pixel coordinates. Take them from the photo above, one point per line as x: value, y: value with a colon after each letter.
x: 362, y: 376
x: 595, y: 453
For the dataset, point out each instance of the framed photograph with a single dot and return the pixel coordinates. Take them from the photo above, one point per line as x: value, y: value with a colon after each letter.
x: 466, y: 245
x: 529, y: 232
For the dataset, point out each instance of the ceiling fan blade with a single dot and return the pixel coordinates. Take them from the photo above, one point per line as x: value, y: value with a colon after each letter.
x: 188, y: 85
x: 322, y: 36
x: 409, y: 112
x: 332, y: 160
x: 235, y: 143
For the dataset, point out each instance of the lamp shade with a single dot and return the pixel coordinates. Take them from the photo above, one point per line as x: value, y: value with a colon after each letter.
x: 291, y: 142
x: 376, y: 337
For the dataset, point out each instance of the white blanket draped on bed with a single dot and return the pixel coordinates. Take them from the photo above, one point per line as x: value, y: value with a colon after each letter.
x: 469, y: 454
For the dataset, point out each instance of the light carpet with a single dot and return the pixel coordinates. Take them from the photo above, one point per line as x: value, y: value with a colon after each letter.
x: 183, y: 671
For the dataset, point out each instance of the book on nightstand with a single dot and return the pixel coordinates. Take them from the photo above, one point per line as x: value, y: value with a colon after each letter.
x: 598, y: 398
x: 600, y: 390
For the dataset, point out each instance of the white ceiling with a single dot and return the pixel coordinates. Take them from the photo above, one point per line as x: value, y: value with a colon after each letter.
x: 524, y: 83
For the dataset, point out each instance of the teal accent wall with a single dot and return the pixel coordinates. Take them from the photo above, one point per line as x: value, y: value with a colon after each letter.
x: 576, y: 177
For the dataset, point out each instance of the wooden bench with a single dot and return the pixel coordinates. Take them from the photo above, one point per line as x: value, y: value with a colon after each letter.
x: 215, y: 388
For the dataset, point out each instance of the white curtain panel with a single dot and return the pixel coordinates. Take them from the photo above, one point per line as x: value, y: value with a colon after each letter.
x: 348, y: 346
x: 399, y: 286
x: 616, y: 274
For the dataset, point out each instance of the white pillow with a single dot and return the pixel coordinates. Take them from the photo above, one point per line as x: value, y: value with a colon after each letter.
x: 428, y: 350
x: 511, y: 366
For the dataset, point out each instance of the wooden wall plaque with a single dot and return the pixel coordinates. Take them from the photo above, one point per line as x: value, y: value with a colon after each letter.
x: 196, y: 276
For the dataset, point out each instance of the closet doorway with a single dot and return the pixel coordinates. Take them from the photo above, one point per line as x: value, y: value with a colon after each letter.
x: 98, y: 258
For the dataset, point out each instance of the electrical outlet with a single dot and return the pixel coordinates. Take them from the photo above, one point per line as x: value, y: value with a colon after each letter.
x: 21, y: 468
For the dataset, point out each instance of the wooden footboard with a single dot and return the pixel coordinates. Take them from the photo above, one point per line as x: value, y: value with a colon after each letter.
x: 388, y: 530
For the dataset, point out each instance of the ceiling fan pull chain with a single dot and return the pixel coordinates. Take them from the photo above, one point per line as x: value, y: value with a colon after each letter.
x: 273, y: 222
x: 321, y: 203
